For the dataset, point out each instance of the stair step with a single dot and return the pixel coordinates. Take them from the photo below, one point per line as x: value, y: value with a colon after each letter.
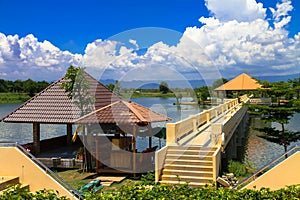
x: 189, y: 162
x: 193, y: 147
x: 188, y: 167
x: 191, y: 179
x: 8, y: 180
x: 180, y: 173
x: 23, y: 187
x: 190, y: 152
x: 189, y: 157
x: 181, y: 183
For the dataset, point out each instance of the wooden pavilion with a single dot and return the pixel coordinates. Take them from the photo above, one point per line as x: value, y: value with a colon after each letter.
x: 53, y: 106
x: 115, y: 128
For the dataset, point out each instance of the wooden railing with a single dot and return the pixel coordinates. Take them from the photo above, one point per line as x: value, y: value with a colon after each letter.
x: 177, y: 131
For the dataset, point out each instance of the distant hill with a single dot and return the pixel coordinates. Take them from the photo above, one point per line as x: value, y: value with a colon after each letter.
x: 154, y: 84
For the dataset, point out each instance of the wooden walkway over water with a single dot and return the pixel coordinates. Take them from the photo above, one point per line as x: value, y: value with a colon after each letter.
x: 194, y: 145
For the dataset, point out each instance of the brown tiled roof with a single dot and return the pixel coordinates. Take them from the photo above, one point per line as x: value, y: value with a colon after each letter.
x: 241, y: 82
x: 122, y: 112
x: 52, y: 105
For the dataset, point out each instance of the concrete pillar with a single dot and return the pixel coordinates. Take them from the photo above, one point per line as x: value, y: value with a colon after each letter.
x: 69, y: 134
x: 36, y: 138
x: 170, y: 133
x: 195, y: 128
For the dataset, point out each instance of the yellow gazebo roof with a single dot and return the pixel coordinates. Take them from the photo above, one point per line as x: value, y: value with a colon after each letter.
x: 241, y: 82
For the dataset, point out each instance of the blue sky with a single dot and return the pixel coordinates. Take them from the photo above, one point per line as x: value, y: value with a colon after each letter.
x: 40, y: 39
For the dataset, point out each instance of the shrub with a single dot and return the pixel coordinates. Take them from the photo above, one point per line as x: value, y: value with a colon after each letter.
x: 239, y: 169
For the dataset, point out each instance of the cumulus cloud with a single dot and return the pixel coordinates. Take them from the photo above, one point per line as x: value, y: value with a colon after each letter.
x: 227, y: 10
x: 21, y: 58
x: 237, y: 37
x: 233, y: 40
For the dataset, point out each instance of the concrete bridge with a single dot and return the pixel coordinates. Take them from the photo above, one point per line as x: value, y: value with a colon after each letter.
x: 195, y: 146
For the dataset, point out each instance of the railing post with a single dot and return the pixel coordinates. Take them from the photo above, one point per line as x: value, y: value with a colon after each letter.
x: 216, y: 132
x: 207, y: 116
x: 170, y: 133
x: 222, y: 108
x: 195, y: 127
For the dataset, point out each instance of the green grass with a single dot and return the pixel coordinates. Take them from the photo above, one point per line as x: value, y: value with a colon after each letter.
x: 77, y: 179
x: 13, y: 98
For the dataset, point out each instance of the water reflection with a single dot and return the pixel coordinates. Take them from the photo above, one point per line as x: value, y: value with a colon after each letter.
x: 260, y: 151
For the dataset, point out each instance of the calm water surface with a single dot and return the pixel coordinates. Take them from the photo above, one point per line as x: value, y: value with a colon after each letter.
x: 259, y: 151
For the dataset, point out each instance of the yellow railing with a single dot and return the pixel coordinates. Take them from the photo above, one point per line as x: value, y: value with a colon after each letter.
x: 176, y: 131
x: 216, y: 163
x: 160, y: 156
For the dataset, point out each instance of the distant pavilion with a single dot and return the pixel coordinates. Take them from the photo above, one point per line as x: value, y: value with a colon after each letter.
x: 243, y: 82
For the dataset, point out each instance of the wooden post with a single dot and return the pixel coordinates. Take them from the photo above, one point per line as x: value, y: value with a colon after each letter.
x: 97, y: 153
x: 134, y: 150
x: 150, y: 136
x: 69, y: 134
x: 36, y: 138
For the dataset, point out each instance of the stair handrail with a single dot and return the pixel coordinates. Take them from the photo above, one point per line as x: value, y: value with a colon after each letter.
x: 45, y: 168
x: 261, y: 171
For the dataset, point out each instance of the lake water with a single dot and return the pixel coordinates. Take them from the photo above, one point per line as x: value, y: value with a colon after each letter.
x: 259, y: 151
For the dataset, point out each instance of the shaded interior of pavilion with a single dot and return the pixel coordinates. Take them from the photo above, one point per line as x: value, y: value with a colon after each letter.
x: 110, y: 135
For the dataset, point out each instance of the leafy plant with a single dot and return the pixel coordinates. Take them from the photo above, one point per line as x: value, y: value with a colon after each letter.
x: 17, y: 192
x: 148, y: 179
x: 239, y: 169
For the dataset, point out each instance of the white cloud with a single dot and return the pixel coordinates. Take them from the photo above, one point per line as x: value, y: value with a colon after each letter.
x: 240, y: 10
x: 236, y: 38
x: 22, y: 58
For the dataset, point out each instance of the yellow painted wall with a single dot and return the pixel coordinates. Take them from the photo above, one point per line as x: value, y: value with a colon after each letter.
x: 284, y: 174
x: 14, y: 163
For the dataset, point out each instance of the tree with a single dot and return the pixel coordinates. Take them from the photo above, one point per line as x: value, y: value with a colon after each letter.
x: 279, y: 89
x: 77, y: 89
x: 163, y: 87
x: 30, y: 87
x: 219, y: 82
x: 202, y: 93
x: 110, y: 86
x: 295, y: 85
x: 280, y: 115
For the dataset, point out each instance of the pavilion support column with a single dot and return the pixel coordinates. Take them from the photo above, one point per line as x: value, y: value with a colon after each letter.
x: 69, y: 134
x: 150, y: 136
x: 97, y: 153
x: 36, y: 138
x: 134, y: 150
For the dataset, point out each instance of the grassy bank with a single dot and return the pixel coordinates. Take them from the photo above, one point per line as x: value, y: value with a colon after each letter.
x: 13, y: 98
x: 148, y: 95
x: 22, y: 97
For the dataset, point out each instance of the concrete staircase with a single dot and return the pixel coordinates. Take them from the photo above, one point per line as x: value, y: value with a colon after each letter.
x: 8, y: 182
x: 192, y: 164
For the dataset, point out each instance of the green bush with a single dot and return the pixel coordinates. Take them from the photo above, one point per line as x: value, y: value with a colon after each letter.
x: 239, y: 169
x: 185, y: 192
x: 148, y: 179
x: 16, y: 192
